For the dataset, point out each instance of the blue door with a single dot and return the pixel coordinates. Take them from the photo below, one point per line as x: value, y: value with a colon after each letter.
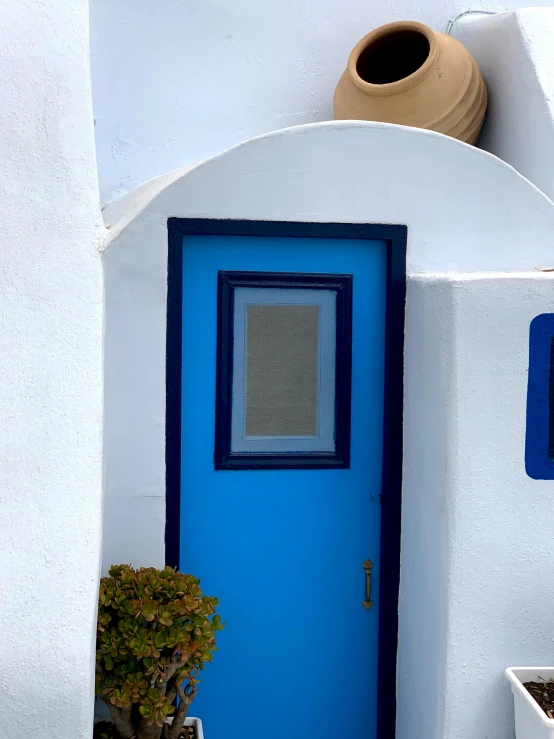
x: 288, y: 548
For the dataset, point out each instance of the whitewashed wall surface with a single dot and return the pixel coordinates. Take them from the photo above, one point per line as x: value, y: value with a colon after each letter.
x: 179, y: 80
x: 50, y: 372
x: 514, y: 53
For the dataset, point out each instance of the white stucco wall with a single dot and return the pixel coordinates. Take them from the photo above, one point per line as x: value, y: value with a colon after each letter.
x: 50, y: 373
x: 474, y: 526
x: 474, y: 523
x: 514, y: 53
x: 501, y: 520
x: 176, y: 82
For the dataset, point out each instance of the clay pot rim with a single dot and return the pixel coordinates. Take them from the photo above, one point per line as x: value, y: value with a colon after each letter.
x: 390, y: 88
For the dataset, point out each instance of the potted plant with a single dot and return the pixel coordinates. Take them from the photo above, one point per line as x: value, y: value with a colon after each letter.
x: 155, y: 632
x: 533, y: 690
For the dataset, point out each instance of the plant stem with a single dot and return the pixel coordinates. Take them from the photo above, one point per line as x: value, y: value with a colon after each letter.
x: 122, y: 720
x: 186, y: 697
x: 148, y: 732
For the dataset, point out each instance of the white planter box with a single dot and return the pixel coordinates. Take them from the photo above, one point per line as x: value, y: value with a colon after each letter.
x: 531, y: 721
x: 193, y: 722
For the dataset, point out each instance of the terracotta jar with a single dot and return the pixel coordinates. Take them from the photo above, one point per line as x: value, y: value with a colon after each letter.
x: 409, y: 74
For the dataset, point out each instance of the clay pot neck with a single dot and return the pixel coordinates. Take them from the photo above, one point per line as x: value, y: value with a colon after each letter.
x: 393, y: 58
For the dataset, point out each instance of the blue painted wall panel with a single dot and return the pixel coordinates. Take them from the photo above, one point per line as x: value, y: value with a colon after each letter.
x: 539, y: 441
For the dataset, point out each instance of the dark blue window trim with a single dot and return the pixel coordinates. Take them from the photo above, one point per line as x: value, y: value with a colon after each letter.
x: 224, y: 458
x: 539, y: 440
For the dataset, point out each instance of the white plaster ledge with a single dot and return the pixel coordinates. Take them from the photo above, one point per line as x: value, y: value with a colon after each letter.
x: 122, y: 211
x: 420, y: 178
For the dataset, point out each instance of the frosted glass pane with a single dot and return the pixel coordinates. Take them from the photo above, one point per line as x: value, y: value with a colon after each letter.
x: 282, y: 370
x: 283, y: 397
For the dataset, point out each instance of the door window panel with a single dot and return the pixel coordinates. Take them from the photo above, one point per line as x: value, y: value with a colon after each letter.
x: 284, y: 359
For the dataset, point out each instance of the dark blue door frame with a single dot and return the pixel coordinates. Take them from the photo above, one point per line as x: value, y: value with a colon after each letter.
x: 395, y: 236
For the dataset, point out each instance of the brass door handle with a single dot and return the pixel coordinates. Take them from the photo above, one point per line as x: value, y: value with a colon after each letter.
x: 368, y: 566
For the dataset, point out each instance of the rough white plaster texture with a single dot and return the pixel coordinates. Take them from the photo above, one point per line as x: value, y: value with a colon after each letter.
x: 176, y: 82
x: 514, y: 53
x: 475, y: 529
x: 50, y: 372
x: 473, y: 521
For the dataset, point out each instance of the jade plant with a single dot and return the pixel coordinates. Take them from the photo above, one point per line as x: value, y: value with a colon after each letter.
x: 156, y: 631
